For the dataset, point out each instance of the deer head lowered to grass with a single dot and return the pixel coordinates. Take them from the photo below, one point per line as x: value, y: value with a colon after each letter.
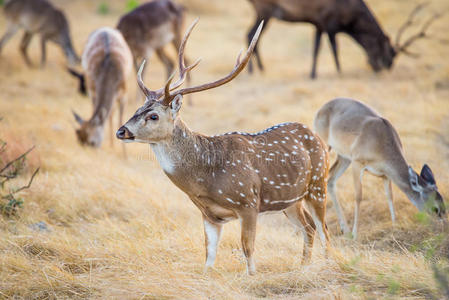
x: 107, y: 62
x: 235, y: 175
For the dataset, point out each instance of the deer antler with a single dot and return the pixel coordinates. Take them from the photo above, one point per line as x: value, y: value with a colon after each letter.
x: 239, y: 66
x: 421, y: 34
x: 183, y: 70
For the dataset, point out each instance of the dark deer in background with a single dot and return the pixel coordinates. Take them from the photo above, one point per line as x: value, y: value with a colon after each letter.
x: 150, y: 27
x: 41, y: 17
x: 107, y: 62
x: 352, y: 17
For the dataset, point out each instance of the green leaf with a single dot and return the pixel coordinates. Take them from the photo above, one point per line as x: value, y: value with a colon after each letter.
x: 103, y: 8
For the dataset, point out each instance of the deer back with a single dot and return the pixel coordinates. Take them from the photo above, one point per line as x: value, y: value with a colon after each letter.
x: 151, y: 25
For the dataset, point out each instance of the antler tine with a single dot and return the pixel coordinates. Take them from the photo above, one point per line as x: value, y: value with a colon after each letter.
x: 421, y: 34
x: 148, y: 93
x: 239, y: 66
x: 410, y: 20
x: 183, y: 70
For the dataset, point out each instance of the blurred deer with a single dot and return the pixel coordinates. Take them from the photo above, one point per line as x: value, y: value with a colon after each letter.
x: 150, y: 27
x: 38, y: 17
x: 362, y: 137
x: 107, y: 62
x: 352, y: 17
x: 235, y: 175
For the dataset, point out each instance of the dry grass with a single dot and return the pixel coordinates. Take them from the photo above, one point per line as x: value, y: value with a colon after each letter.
x: 120, y: 229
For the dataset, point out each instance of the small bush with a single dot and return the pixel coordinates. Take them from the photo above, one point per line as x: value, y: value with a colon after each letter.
x: 10, y: 170
x: 131, y: 5
x: 2, y: 2
x: 103, y: 8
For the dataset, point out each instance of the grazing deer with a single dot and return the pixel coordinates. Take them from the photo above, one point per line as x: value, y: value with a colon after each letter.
x: 235, y: 175
x: 38, y: 16
x: 362, y: 137
x: 150, y: 27
x: 352, y: 17
x: 107, y: 62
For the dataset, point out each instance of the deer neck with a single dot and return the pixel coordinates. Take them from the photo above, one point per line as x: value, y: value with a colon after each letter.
x: 179, y: 151
x: 400, y: 176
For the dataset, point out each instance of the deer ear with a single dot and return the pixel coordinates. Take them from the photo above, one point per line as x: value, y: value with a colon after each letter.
x: 427, y: 174
x: 175, y: 105
x: 413, y: 179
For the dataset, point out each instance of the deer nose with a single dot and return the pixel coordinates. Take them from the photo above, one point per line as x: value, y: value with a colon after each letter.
x: 123, y: 133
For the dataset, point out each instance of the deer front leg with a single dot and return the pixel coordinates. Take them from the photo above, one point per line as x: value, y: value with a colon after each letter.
x: 316, y: 50
x: 334, y: 47
x: 24, y: 47
x: 357, y: 174
x: 249, y: 222
x: 212, y: 234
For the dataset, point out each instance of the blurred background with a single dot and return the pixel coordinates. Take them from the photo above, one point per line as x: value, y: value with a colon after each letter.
x: 118, y: 228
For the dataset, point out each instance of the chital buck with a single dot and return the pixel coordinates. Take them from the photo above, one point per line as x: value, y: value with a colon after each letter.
x: 352, y: 17
x: 362, y: 137
x: 107, y: 63
x: 150, y: 27
x: 235, y: 175
x: 38, y: 17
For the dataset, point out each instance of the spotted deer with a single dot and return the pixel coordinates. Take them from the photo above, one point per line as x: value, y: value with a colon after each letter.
x: 38, y: 17
x: 352, y: 17
x: 235, y: 175
x: 150, y: 27
x: 362, y: 137
x: 107, y: 63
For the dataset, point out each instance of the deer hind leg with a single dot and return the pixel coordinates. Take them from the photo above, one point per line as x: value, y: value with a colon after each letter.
x: 212, y: 234
x: 249, y: 222
x: 337, y: 169
x: 26, y: 39
x: 9, y: 33
x: 168, y: 63
x: 317, y: 206
x: 43, y: 51
x: 334, y: 47
x: 357, y: 174
x: 389, y: 193
x: 304, y: 221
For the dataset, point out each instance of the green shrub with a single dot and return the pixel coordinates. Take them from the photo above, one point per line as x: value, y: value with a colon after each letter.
x: 103, y: 8
x: 131, y: 5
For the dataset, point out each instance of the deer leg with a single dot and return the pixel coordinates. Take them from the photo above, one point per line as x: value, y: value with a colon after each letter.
x: 212, y: 234
x: 334, y: 47
x: 337, y: 169
x: 168, y: 63
x: 389, y: 193
x: 303, y: 220
x: 24, y: 46
x: 10, y: 31
x: 357, y: 174
x: 111, y: 131
x: 249, y: 221
x: 250, y: 37
x: 121, y: 109
x: 43, y: 51
x: 316, y: 50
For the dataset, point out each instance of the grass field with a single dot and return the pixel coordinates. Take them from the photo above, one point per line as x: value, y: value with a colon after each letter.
x: 120, y: 229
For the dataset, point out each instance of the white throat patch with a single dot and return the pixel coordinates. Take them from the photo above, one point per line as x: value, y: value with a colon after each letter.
x: 163, y: 158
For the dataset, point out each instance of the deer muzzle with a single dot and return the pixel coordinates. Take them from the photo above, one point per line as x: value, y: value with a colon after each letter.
x: 123, y: 133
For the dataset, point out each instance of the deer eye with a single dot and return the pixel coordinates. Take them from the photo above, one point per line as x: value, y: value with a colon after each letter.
x: 153, y: 117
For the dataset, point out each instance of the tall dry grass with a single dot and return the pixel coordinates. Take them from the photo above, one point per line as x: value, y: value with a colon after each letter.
x: 120, y: 229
